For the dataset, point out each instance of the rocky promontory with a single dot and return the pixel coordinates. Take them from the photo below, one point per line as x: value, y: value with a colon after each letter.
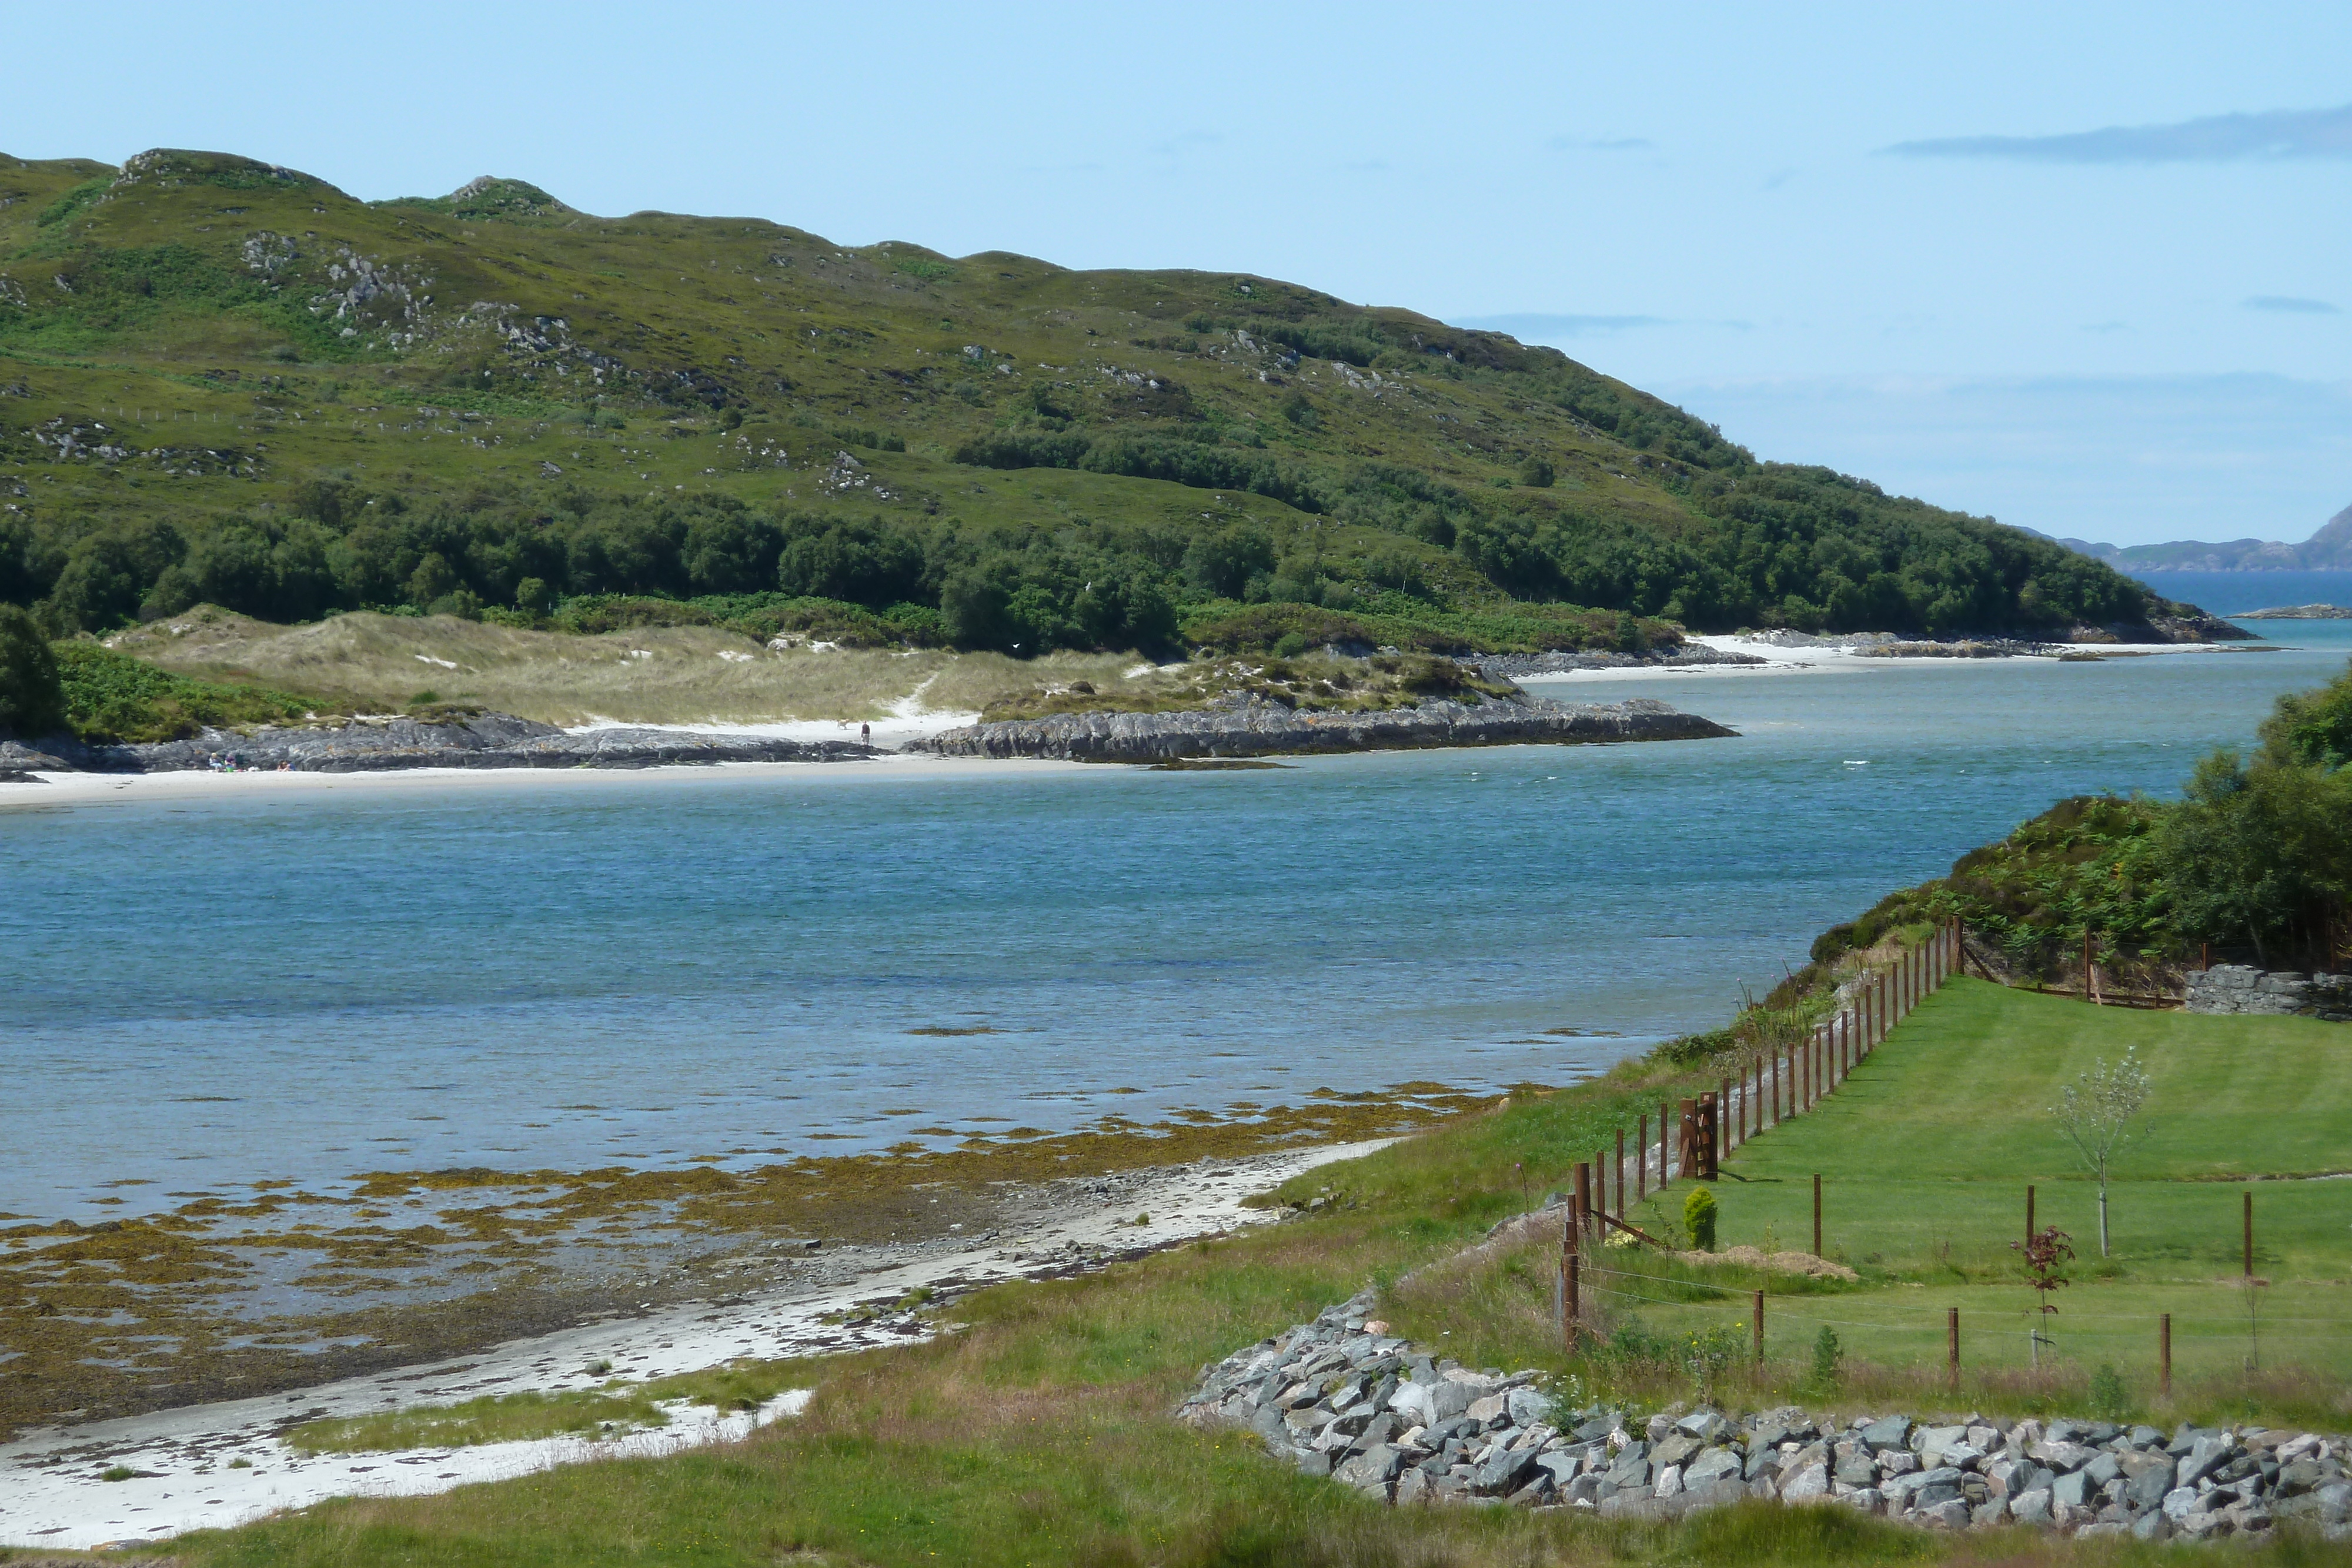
x: 1249, y: 724
x: 457, y: 740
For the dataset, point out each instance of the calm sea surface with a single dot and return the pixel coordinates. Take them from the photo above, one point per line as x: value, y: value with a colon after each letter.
x: 661, y: 967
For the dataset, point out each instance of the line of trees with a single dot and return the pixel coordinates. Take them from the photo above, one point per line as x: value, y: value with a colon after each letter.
x: 1021, y: 589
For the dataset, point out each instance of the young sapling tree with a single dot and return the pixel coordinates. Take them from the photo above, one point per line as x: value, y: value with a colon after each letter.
x: 2095, y: 1111
x: 2046, y: 1252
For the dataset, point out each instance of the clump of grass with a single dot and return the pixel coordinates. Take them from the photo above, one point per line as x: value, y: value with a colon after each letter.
x: 497, y: 1418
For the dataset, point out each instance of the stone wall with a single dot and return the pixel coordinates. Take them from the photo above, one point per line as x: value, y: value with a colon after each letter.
x: 2241, y: 988
x: 1343, y: 1397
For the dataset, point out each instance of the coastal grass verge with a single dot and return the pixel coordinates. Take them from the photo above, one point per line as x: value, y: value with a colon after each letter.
x: 1036, y: 1430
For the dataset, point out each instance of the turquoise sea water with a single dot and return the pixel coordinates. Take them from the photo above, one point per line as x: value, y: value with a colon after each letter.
x: 2235, y: 592
x: 204, y: 994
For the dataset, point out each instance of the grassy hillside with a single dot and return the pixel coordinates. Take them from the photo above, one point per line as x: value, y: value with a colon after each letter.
x: 229, y: 382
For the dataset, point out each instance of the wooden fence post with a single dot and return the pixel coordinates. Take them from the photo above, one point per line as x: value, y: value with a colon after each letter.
x: 1620, y: 1210
x: 1568, y: 1283
x: 1582, y: 1196
x: 2029, y: 1211
x: 1575, y: 1291
x: 1817, y: 1216
x: 1665, y: 1140
x: 1759, y: 1328
x: 1724, y: 1125
x: 2249, y: 1235
x: 1641, y: 1158
x: 1952, y: 1345
x: 2164, y: 1353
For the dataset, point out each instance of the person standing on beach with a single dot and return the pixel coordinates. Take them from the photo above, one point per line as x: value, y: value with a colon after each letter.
x: 865, y: 734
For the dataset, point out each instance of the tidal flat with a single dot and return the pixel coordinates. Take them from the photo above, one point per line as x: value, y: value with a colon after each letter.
x: 232, y: 1295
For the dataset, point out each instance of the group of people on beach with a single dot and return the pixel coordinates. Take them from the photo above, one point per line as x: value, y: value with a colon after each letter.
x: 230, y: 762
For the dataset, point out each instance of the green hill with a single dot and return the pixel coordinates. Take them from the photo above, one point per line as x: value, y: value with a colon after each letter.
x: 227, y: 382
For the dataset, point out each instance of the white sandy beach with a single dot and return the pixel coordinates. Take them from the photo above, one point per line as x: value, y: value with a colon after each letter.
x: 51, y: 1494
x: 1836, y: 660
x: 121, y: 789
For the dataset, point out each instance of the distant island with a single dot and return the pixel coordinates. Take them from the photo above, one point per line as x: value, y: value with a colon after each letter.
x: 2300, y: 613
x: 2328, y: 550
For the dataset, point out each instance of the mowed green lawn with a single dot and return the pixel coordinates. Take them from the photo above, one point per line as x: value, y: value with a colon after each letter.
x: 1924, y: 1155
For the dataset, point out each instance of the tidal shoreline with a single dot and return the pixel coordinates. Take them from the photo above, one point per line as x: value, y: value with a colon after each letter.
x: 186, y: 1456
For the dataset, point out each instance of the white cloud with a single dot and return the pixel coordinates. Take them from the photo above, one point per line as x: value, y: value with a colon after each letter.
x: 2221, y: 138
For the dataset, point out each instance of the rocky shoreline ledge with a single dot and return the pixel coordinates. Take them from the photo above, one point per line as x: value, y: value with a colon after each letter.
x: 1689, y: 656
x: 376, y: 745
x: 1341, y: 1398
x: 1251, y: 726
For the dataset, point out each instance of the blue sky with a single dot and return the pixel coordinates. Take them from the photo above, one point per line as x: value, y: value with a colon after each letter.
x: 2087, y: 269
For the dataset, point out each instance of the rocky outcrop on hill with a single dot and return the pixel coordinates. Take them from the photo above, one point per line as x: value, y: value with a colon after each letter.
x: 1343, y: 1397
x: 370, y: 745
x: 1255, y: 727
x: 2241, y: 988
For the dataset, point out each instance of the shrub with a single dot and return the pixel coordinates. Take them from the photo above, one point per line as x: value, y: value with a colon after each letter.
x: 32, y: 697
x: 2110, y: 1401
x: 111, y: 697
x: 1698, y: 1219
x: 1827, y: 1359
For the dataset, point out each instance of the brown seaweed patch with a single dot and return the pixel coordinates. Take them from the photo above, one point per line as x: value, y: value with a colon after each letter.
x: 229, y: 1299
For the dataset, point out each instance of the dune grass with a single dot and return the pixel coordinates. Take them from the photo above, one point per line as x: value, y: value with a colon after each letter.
x: 650, y: 675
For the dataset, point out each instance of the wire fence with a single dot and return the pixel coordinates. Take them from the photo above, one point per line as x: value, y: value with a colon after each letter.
x: 1785, y: 1082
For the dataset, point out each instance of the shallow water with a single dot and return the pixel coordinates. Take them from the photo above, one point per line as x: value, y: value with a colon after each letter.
x: 203, y: 995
